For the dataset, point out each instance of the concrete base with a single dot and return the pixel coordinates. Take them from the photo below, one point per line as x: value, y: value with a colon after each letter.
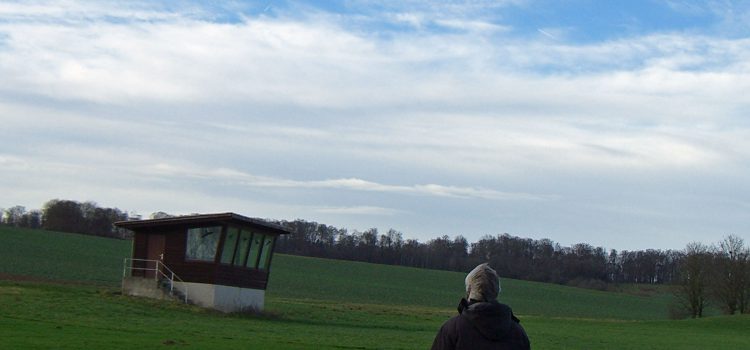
x: 143, y: 287
x: 224, y: 298
x: 213, y: 296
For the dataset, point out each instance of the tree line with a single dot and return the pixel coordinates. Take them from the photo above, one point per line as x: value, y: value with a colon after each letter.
x: 718, y: 275
x: 702, y: 274
x: 69, y: 216
x: 514, y: 257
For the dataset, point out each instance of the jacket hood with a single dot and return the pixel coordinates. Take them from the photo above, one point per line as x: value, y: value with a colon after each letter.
x: 493, y: 320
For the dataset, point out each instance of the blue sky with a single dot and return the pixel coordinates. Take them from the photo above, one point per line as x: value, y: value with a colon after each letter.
x: 619, y: 124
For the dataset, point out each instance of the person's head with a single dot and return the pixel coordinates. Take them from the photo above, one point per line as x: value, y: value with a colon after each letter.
x: 482, y: 283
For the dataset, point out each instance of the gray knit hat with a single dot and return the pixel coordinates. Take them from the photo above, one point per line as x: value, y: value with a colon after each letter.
x: 482, y: 283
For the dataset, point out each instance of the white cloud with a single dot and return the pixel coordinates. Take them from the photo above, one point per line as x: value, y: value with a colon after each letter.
x: 76, y: 12
x: 321, y: 103
x: 360, y: 210
x: 322, y: 65
x: 472, y: 26
x: 354, y: 184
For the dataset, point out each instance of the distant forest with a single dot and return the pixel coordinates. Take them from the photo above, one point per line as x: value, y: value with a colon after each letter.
x: 69, y: 216
x: 514, y: 257
x: 720, y: 273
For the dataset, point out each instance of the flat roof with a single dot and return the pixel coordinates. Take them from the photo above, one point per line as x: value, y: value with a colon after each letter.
x: 201, y: 218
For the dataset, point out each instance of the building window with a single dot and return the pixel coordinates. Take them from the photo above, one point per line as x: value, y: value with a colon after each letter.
x: 202, y: 243
x: 242, y: 247
x: 255, y: 245
x: 265, y: 255
x: 229, y: 244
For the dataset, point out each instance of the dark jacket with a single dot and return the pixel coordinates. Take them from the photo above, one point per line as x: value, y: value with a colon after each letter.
x: 482, y: 325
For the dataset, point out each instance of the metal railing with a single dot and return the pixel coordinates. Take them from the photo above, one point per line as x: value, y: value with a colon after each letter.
x: 160, y: 270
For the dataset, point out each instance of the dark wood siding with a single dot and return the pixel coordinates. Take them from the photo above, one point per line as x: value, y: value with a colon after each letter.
x: 140, y: 251
x: 140, y: 243
x: 198, y: 272
x: 174, y: 251
x: 241, y: 277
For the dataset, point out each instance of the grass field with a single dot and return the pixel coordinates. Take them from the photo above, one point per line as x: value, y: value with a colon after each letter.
x: 311, y: 304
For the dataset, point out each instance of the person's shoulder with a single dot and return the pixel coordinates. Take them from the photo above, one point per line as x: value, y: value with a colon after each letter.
x: 519, y: 336
x: 454, y: 326
x: 446, y: 336
x: 452, y: 322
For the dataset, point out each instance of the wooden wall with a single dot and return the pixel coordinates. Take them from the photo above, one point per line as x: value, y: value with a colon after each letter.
x: 199, y: 271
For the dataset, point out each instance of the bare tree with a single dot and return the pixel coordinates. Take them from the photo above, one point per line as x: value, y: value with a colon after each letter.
x: 731, y: 276
x: 14, y: 215
x: 694, y: 278
x: 32, y: 219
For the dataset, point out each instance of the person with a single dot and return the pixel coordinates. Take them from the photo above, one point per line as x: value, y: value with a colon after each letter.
x: 482, y: 322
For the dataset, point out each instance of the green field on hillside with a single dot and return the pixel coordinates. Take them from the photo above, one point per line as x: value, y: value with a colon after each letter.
x: 311, y: 304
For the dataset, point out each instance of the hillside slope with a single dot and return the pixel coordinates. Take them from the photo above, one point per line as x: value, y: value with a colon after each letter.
x: 312, y: 304
x: 74, y: 257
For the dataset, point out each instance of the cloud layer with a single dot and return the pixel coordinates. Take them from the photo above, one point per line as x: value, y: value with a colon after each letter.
x: 428, y: 120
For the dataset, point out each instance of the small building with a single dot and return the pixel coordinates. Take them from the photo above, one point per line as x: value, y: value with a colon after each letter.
x: 220, y: 261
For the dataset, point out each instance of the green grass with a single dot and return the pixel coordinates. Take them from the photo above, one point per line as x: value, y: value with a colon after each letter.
x: 62, y: 256
x: 337, y: 281
x: 311, y: 304
x: 74, y: 317
x: 73, y: 257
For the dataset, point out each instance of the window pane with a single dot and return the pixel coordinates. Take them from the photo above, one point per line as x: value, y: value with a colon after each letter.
x: 202, y: 243
x: 239, y: 256
x: 228, y: 252
x: 252, y: 258
x: 265, y: 255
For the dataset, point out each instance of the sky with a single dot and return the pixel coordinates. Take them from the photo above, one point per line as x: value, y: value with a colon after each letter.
x: 621, y: 124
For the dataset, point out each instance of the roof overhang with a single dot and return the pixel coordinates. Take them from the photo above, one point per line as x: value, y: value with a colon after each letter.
x: 136, y: 225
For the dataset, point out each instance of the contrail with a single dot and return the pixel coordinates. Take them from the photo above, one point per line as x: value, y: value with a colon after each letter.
x: 546, y: 33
